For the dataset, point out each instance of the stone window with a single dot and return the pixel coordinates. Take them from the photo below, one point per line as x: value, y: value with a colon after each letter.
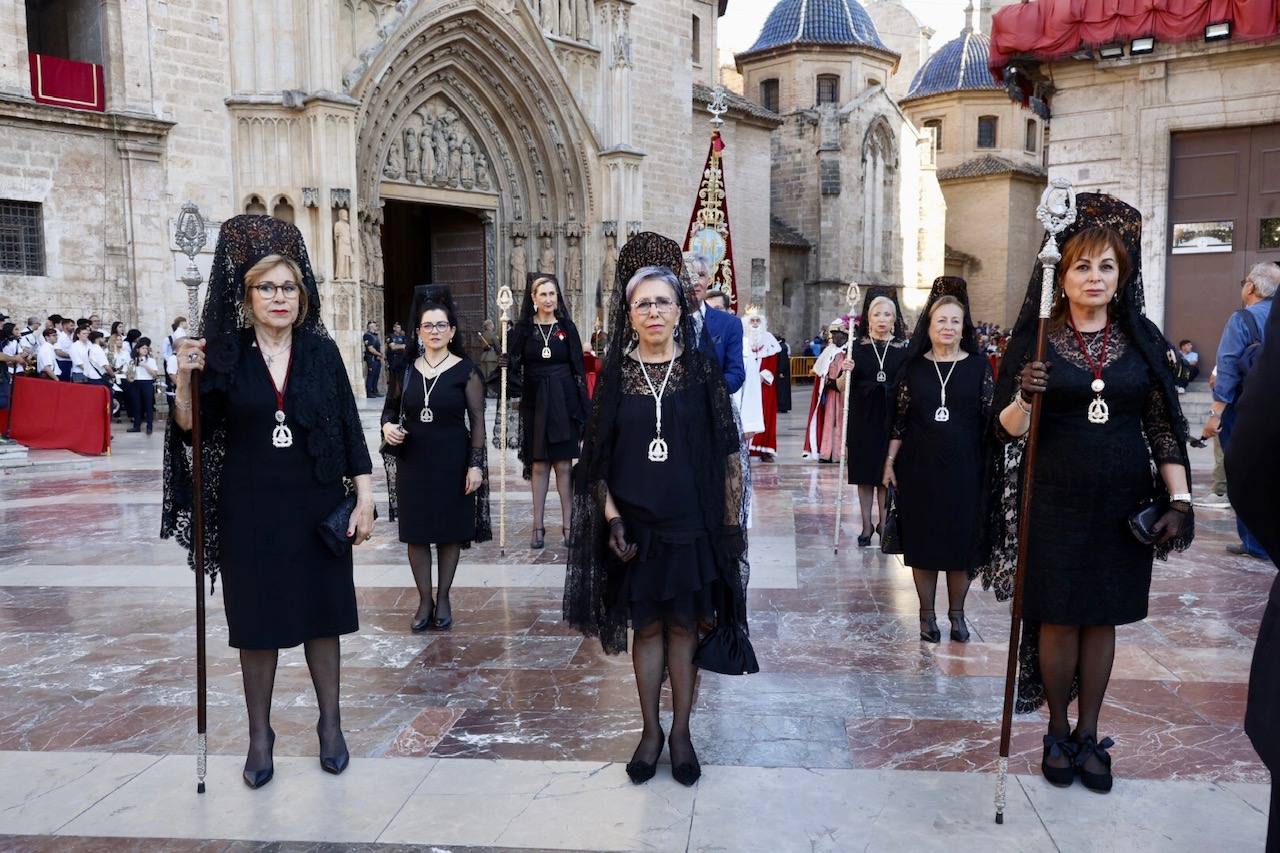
x: 697, y: 40
x: 828, y: 89
x: 987, y: 127
x: 769, y: 94
x: 872, y: 82
x: 1032, y: 145
x: 71, y: 29
x: 21, y: 237
x: 936, y: 124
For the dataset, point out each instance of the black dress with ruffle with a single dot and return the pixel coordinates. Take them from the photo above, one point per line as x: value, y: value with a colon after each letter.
x: 674, y: 575
x: 867, y: 442
x: 552, y: 402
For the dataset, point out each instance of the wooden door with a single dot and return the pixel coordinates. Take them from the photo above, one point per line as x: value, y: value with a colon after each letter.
x: 457, y: 259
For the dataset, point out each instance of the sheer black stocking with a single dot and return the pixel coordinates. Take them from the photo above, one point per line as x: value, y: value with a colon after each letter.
x: 866, y: 496
x: 420, y: 564
x: 926, y: 591
x: 564, y: 486
x: 323, y: 660
x: 258, y: 669
x: 957, y: 590
x: 1097, y: 653
x: 448, y: 556
x: 681, y: 645
x: 648, y: 659
x: 1059, y: 654
x: 540, y: 481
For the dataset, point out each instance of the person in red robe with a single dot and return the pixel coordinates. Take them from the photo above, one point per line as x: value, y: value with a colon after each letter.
x: 763, y: 348
x: 824, y: 438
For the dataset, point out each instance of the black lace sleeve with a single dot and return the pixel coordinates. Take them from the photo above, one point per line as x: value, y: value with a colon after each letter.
x: 899, y: 428
x: 391, y: 405
x: 988, y: 392
x: 478, y: 454
x: 475, y: 392
x: 354, y: 444
x: 1157, y: 425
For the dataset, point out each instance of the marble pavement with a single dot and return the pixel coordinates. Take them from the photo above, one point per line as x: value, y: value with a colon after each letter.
x: 510, y: 732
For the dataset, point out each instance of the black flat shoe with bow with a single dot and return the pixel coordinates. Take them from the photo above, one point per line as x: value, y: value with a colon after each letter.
x: 642, y: 771
x: 1060, y: 749
x: 1091, y: 748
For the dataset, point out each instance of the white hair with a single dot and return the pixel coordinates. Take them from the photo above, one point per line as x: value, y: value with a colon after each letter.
x: 1266, y: 278
x: 874, y: 302
x: 659, y: 273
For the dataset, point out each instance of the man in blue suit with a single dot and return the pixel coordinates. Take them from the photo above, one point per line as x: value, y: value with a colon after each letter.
x: 717, y: 333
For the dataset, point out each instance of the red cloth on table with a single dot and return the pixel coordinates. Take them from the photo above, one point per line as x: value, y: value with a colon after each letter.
x: 592, y: 363
x: 66, y: 83
x: 59, y: 416
x: 1052, y: 29
x: 767, y: 442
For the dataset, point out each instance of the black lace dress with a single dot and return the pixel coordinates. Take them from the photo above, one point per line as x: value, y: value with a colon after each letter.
x: 553, y: 403
x: 868, y: 440
x: 1084, y: 566
x: 281, y: 585
x: 940, y: 465
x: 431, y: 470
x: 674, y: 575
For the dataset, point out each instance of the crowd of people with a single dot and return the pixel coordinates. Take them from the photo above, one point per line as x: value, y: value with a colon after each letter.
x: 80, y: 350
x: 650, y: 447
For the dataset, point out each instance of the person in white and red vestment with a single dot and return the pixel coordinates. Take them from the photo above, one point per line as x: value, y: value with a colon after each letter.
x: 824, y: 439
x: 763, y: 350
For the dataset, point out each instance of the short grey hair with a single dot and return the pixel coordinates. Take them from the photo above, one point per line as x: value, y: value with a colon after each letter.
x: 1266, y: 278
x: 693, y: 262
x: 659, y: 273
x: 874, y: 302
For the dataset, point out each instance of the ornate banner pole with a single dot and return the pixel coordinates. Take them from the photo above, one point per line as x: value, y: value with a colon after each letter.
x: 1056, y: 211
x: 190, y: 236
x: 505, y: 301
x: 708, y: 233
x: 851, y: 296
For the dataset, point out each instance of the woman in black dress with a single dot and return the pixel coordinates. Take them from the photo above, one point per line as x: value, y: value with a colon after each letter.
x: 282, y: 448
x: 545, y: 363
x: 659, y: 505
x: 936, y: 454
x: 877, y: 357
x: 434, y: 432
x: 1110, y: 419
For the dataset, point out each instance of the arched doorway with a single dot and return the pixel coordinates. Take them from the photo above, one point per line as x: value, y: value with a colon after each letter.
x: 424, y: 243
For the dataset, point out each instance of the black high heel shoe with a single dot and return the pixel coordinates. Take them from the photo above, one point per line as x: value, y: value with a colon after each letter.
x: 959, y: 630
x: 424, y: 623
x: 538, y: 540
x: 1098, y: 782
x: 687, y: 773
x: 642, y: 771
x: 335, y: 764
x: 929, y: 630
x: 443, y: 623
x: 257, y: 778
x: 1059, y: 747
x: 864, y: 540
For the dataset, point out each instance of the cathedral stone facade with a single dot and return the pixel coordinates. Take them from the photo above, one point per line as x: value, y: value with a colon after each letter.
x: 460, y: 141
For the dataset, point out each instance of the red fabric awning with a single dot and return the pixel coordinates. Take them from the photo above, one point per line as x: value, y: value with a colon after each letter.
x: 59, y: 415
x: 66, y: 83
x: 1052, y: 29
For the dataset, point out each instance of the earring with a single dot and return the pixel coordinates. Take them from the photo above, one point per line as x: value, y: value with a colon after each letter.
x: 676, y: 333
x: 635, y: 338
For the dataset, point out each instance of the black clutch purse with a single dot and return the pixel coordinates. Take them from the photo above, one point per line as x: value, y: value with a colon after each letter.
x: 890, y: 530
x: 1143, y: 521
x: 333, y: 530
x: 727, y: 649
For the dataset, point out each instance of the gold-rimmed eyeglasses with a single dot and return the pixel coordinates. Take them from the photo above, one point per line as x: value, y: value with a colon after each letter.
x: 645, y: 306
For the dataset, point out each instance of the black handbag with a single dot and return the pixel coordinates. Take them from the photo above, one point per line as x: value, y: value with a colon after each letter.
x: 1143, y: 520
x: 395, y: 450
x: 890, y: 530
x: 727, y: 649
x: 333, y: 530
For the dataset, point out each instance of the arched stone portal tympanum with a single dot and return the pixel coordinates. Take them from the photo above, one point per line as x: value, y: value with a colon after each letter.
x: 470, y: 149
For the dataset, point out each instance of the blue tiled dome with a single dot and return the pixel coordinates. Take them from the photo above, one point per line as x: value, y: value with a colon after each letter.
x: 960, y: 65
x: 835, y: 22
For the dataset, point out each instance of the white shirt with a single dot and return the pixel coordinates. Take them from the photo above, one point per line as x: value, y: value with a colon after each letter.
x: 146, y: 370
x: 64, y: 342
x: 12, y: 348
x: 171, y: 365
x: 171, y: 344
x: 79, y: 357
x: 97, y: 362
x: 46, y: 359
x: 32, y: 338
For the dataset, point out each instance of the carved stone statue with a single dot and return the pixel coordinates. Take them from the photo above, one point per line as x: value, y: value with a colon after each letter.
x: 455, y: 159
x: 548, y: 260
x: 411, y: 154
x: 517, y: 263
x: 468, y: 174
x: 549, y: 16
x: 375, y: 275
x: 482, y: 171
x: 566, y: 18
x: 440, y: 141
x: 343, y: 249
x: 609, y: 275
x: 584, y: 20
x: 428, y: 154
x: 395, y: 164
x: 573, y: 269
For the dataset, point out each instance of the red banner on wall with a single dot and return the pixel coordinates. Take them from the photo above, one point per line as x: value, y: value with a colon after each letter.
x: 66, y: 83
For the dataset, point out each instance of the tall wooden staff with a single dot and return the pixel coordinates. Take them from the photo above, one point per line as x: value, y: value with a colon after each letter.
x: 851, y: 295
x: 1056, y: 211
x: 190, y: 237
x: 505, y: 301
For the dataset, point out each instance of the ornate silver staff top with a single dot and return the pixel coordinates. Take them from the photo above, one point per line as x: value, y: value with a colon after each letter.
x: 1056, y: 211
x: 189, y: 234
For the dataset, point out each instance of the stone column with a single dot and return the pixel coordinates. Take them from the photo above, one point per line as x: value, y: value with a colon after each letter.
x: 15, y: 76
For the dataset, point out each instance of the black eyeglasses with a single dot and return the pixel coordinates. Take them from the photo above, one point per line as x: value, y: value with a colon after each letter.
x: 268, y: 291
